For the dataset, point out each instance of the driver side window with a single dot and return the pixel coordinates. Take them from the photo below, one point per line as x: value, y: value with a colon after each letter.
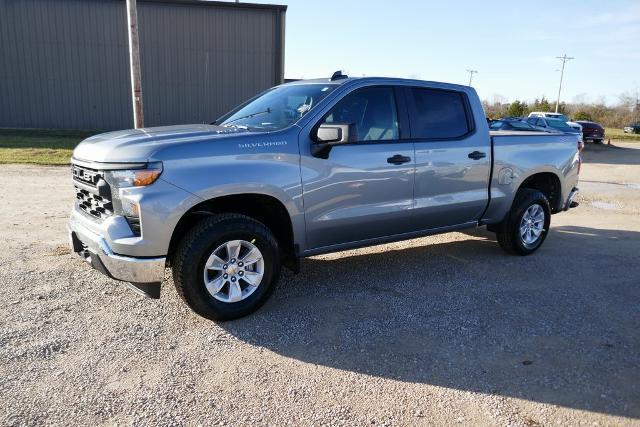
x: 372, y: 112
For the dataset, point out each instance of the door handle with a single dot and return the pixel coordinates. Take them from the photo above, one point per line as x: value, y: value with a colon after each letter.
x: 477, y: 155
x: 398, y: 159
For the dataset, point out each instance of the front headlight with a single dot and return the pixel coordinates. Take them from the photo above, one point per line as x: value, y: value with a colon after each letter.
x: 134, y: 177
x: 121, y: 179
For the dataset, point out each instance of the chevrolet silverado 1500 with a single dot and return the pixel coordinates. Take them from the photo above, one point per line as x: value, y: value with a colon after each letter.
x: 306, y: 168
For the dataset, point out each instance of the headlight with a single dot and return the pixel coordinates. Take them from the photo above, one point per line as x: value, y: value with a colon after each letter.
x: 122, y: 179
x: 134, y: 177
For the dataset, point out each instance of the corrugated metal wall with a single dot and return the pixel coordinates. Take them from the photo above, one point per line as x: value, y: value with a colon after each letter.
x: 64, y: 64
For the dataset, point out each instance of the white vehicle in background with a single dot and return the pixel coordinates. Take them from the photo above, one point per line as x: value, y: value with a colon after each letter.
x: 575, y: 125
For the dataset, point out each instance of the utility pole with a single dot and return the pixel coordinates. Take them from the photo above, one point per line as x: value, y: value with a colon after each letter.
x: 564, y: 58
x: 134, y: 62
x: 471, y: 73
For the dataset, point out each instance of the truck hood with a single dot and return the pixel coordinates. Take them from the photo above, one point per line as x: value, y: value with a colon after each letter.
x: 138, y: 145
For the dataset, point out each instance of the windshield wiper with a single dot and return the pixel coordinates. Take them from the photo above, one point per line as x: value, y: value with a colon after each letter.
x: 248, y: 116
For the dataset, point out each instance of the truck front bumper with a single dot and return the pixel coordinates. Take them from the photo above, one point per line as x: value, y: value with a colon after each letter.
x: 144, y: 274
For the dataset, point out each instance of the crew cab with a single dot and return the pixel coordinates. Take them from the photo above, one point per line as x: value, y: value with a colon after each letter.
x: 307, y: 168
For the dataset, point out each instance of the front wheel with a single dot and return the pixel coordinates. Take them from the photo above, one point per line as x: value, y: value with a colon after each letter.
x: 226, y: 266
x: 527, y: 223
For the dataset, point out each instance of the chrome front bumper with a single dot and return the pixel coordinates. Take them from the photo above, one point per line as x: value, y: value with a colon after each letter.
x: 144, y: 274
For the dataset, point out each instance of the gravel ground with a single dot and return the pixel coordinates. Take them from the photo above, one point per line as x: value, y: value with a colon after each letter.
x: 440, y: 330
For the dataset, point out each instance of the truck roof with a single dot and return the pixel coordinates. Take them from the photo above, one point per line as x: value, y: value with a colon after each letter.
x: 380, y: 80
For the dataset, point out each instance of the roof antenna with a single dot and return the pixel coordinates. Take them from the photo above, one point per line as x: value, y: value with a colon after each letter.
x: 338, y: 76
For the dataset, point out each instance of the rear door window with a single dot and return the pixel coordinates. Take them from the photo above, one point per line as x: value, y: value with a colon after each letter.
x: 438, y: 114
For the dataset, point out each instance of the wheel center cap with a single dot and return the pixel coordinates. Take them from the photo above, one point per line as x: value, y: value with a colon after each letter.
x: 233, y: 269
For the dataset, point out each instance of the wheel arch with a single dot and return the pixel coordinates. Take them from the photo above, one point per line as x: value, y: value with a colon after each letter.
x: 549, y: 184
x: 262, y: 207
x: 547, y: 180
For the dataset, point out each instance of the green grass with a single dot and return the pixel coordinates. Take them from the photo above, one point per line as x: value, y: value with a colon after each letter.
x: 39, y: 146
x: 618, y: 134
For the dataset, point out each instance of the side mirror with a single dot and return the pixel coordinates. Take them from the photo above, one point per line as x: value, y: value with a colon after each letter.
x: 332, y: 133
x: 327, y: 135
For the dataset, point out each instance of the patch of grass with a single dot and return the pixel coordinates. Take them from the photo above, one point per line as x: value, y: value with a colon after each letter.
x: 619, y: 135
x: 39, y: 146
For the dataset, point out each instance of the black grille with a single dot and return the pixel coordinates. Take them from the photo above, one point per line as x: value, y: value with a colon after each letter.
x: 94, y: 205
x: 92, y: 192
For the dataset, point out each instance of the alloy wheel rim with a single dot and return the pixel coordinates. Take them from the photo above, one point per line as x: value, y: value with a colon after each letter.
x: 532, y: 225
x: 233, y: 271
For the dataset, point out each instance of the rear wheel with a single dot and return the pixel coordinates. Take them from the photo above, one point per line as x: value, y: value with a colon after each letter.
x: 226, y: 266
x: 527, y: 223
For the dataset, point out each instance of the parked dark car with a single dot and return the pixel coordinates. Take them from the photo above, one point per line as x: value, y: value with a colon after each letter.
x: 592, y: 132
x: 632, y: 128
x: 511, y: 124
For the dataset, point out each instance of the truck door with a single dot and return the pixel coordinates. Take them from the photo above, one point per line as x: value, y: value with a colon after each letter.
x: 364, y: 188
x: 453, y: 160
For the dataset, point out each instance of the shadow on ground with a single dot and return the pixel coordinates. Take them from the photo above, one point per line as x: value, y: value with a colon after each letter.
x: 611, y: 154
x: 553, y: 327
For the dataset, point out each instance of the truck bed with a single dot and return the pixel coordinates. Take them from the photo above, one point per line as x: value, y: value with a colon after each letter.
x: 517, y: 154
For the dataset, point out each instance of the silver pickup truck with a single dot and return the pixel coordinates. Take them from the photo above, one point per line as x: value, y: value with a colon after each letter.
x: 306, y: 168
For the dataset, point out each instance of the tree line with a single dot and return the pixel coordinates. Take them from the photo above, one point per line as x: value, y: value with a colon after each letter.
x: 626, y: 111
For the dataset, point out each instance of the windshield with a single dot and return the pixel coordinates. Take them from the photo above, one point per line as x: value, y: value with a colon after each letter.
x: 278, y: 108
x: 560, y: 125
x: 558, y: 116
x: 520, y: 125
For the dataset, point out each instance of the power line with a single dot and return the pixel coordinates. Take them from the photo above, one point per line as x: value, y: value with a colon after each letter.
x: 564, y: 58
x: 471, y: 73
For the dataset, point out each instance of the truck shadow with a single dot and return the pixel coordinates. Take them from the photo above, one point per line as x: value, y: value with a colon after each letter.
x: 558, y: 327
x: 611, y: 154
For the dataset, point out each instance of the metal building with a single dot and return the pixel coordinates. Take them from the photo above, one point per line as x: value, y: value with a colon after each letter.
x: 64, y: 64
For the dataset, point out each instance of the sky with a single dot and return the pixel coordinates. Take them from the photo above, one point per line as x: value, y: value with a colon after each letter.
x: 512, y: 44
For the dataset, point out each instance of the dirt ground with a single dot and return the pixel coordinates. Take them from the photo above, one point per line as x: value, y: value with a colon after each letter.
x: 439, y: 330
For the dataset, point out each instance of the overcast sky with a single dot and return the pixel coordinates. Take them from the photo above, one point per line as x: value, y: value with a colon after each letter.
x: 512, y: 44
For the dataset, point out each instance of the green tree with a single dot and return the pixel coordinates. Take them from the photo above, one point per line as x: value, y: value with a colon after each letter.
x: 542, y: 105
x: 517, y: 109
x: 582, y: 115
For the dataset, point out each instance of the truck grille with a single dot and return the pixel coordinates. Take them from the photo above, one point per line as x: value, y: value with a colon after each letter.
x: 94, y: 205
x: 93, y: 195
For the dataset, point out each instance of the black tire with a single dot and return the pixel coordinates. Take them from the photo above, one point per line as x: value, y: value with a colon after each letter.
x: 196, y: 247
x: 597, y: 141
x: 508, y: 232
